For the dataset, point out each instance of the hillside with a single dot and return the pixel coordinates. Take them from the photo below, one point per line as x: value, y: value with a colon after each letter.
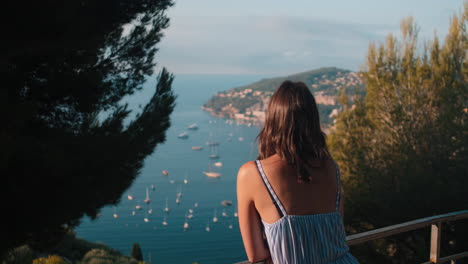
x: 247, y: 104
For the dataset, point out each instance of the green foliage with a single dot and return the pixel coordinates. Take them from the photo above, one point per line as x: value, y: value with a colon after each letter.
x: 101, y: 256
x: 19, y: 255
x: 66, y: 149
x: 403, y: 145
x: 136, y: 252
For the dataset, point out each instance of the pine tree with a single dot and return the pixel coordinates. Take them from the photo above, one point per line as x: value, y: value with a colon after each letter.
x: 136, y: 252
x: 402, y: 148
x: 68, y: 144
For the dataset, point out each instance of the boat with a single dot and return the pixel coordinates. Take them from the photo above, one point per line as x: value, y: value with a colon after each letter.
x: 171, y: 181
x: 226, y: 203
x: 197, y: 147
x: 164, y: 223
x: 153, y: 187
x: 183, y: 135
x: 147, y: 199
x: 193, y: 126
x: 146, y: 219
x: 235, y: 214
x: 224, y: 213
x: 115, y: 213
x: 212, y: 174
x: 218, y: 164
x: 241, y: 139
x: 138, y: 207
x: 150, y: 211
x: 133, y: 213
x: 195, y: 205
x: 186, y: 225
x: 230, y: 226
x: 207, y: 228
x: 130, y: 197
x: 214, y: 152
x: 177, y: 200
x: 185, y: 181
x: 165, y: 172
x: 215, y: 217
x: 190, y: 216
x: 166, y: 209
x: 190, y: 211
x: 212, y: 143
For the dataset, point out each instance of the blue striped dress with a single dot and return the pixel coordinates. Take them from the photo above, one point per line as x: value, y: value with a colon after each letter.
x: 306, y: 239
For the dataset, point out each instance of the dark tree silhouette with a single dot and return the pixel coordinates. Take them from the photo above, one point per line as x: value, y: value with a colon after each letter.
x: 65, y: 150
x: 136, y: 252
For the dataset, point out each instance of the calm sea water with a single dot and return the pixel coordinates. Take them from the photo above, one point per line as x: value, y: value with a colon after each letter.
x: 171, y: 244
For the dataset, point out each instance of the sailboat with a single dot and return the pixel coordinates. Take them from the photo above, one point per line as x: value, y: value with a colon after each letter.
x: 215, y: 217
x: 166, y: 209
x: 207, y: 228
x: 224, y: 213
x: 150, y: 211
x: 153, y: 187
x: 214, y: 152
x: 185, y: 178
x: 164, y: 223
x: 210, y: 173
x: 186, y: 225
x: 195, y: 204
x: 147, y: 200
x: 115, y: 213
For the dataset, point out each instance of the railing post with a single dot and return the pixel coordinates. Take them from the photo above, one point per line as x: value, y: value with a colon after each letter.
x: 435, y: 242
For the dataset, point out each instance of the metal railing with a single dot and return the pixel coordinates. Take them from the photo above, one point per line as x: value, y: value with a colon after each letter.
x: 434, y: 221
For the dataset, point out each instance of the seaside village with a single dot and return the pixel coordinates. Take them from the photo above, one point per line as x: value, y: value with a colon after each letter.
x: 325, y: 89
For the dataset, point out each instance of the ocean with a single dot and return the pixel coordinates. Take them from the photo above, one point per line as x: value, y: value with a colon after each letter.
x: 122, y: 225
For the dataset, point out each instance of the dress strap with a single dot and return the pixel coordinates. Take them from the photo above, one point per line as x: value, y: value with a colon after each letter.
x: 272, y: 193
x: 338, y: 183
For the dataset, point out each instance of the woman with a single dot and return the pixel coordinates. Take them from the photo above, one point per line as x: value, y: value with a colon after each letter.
x: 291, y: 195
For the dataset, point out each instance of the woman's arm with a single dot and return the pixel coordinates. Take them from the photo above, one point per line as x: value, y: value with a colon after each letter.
x: 249, y: 220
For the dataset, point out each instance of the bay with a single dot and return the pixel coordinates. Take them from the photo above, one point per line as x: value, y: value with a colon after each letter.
x: 171, y: 243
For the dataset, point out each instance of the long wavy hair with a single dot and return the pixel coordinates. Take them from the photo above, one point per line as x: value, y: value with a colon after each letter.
x: 292, y: 130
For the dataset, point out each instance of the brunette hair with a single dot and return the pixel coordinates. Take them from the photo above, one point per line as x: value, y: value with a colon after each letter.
x: 292, y: 129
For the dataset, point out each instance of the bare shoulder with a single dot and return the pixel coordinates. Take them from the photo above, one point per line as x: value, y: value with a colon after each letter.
x: 246, y: 171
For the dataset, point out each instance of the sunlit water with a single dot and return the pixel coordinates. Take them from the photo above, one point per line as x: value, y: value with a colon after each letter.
x: 171, y: 244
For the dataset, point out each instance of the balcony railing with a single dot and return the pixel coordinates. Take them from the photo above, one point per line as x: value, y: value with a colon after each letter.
x: 434, y: 221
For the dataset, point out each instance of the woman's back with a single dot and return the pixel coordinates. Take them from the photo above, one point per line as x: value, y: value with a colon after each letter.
x: 318, y: 196
x: 302, y: 222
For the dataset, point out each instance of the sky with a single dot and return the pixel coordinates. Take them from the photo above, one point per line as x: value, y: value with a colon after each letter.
x: 278, y: 37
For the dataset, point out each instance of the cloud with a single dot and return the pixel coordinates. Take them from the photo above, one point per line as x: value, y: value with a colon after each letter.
x: 264, y: 44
